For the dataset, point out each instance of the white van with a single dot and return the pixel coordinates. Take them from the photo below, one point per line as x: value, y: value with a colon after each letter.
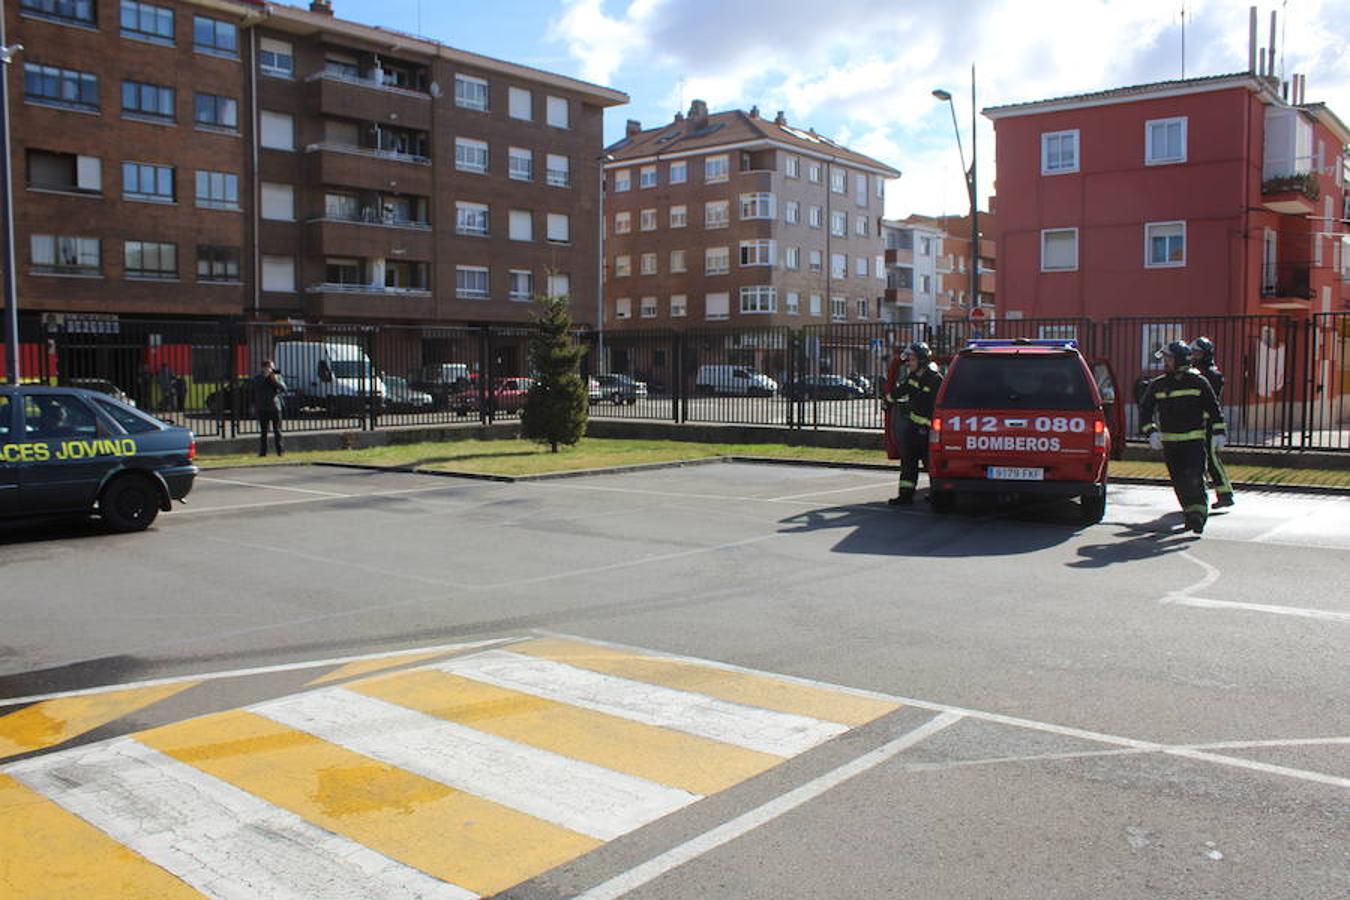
x: 741, y: 380
x: 336, y: 377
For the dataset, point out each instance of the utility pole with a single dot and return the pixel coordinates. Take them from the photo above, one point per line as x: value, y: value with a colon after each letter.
x: 7, y: 53
x: 974, y: 201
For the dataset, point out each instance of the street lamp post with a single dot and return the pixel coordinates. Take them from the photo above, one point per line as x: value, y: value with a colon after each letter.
x: 7, y: 53
x: 603, y: 159
x: 971, y: 183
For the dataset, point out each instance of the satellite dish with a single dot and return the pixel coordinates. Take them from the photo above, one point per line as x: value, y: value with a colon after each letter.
x: 435, y: 89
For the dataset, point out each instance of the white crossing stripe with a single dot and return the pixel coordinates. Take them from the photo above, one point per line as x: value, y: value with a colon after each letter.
x: 222, y: 841
x: 784, y: 734
x: 578, y: 795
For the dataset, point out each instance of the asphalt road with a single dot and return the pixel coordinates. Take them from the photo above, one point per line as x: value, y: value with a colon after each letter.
x: 1121, y: 710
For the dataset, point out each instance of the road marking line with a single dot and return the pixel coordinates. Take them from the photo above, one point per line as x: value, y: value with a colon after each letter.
x: 782, y: 734
x: 256, y: 670
x: 217, y: 838
x: 871, y: 485
x: 743, y: 824
x: 1268, y: 768
x: 267, y: 503
x: 53, y: 722
x: 1325, y: 615
x: 697, y: 765
x: 272, y: 487
x: 1256, y: 745
x: 576, y: 795
x: 370, y: 666
x: 444, y: 832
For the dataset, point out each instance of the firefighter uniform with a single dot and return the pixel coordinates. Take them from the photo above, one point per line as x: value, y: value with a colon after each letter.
x: 895, y: 402
x: 918, y: 395
x: 1180, y: 407
x: 1203, y: 354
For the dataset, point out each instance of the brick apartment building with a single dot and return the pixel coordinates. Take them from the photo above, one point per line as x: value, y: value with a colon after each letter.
x: 927, y: 269
x: 732, y: 219
x: 230, y: 158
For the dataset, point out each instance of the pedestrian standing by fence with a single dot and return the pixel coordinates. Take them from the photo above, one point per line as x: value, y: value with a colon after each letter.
x: 1202, y: 357
x: 268, y: 388
x: 919, y: 395
x: 1177, y: 412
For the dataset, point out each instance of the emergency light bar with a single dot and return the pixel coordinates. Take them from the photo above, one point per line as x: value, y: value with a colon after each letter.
x: 1058, y: 344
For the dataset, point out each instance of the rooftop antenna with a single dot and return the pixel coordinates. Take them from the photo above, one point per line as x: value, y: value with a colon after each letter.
x: 1183, y: 41
x: 1284, y: 26
x: 681, y: 108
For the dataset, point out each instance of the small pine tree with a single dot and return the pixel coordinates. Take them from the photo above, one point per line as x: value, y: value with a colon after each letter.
x: 557, y: 406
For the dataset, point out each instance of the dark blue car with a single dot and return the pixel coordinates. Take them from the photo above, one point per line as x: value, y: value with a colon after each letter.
x: 68, y: 450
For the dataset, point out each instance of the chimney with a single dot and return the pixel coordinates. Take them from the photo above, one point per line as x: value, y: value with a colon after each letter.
x: 633, y: 127
x: 1284, y: 91
x: 1270, y: 57
x: 698, y: 113
x: 754, y: 112
x: 1251, y: 42
x: 780, y: 119
x: 322, y: 7
x: 1262, y: 63
x: 679, y: 116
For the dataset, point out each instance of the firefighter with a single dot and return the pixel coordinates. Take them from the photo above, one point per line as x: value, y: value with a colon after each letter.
x: 919, y: 393
x: 1202, y: 357
x: 1185, y: 409
x: 894, y: 408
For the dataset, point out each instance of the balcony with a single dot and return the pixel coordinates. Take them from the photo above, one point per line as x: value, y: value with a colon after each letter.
x: 1293, y: 195
x: 1286, y: 286
x: 900, y: 256
x: 355, y: 97
x: 945, y: 263
x: 899, y: 294
x: 347, y: 301
x: 369, y: 240
x: 368, y: 168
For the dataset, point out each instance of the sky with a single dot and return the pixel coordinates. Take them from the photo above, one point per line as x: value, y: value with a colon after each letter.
x: 863, y: 71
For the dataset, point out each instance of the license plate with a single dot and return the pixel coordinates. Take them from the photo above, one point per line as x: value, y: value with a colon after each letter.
x: 1013, y: 473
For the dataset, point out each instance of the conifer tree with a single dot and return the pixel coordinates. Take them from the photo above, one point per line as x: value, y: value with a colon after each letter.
x: 557, y: 406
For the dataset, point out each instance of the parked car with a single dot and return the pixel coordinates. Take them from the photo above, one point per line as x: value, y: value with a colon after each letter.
x: 507, y: 395
x: 593, y: 390
x: 400, y: 397
x: 742, y: 380
x: 337, y: 378
x: 443, y: 381
x: 823, y: 387
x: 620, y: 389
x: 865, y: 384
x: 236, y: 396
x: 102, y: 386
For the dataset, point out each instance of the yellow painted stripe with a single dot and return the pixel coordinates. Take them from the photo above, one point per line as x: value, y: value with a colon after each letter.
x: 53, y: 722
x: 367, y: 666
x: 48, y: 852
x: 449, y: 834
x: 750, y: 689
x: 696, y: 764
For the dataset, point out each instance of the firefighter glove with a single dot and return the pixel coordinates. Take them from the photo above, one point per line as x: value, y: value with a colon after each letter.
x: 1154, y: 440
x: 1220, y: 440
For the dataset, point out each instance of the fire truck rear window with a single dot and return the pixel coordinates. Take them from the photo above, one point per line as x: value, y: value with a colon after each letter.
x: 1017, y: 382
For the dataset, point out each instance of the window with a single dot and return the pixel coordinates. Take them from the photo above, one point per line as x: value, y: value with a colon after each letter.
x: 67, y: 88
x: 814, y: 261
x: 716, y: 307
x: 757, y: 206
x: 1165, y: 141
x: 860, y: 226
x: 839, y: 224
x: 471, y: 155
x: 648, y: 308
x: 838, y: 309
x: 879, y: 266
x: 56, y: 416
x: 76, y: 12
x: 861, y: 266
x: 149, y: 259
x: 679, y: 216
x: 716, y: 169
x: 861, y: 305
x: 1059, y: 249
x: 276, y: 58
x: 677, y: 261
x: 65, y: 172
x: 679, y: 306
x: 759, y: 299
x: 278, y: 274
x: 925, y: 284
x: 925, y: 246
x: 623, y: 308
x: 623, y: 266
x: 792, y: 257
x: 341, y: 270
x: 217, y: 263
x: 521, y: 285
x: 716, y: 214
x: 559, y: 171
x: 647, y: 264
x: 813, y: 173
x: 838, y: 181
x: 215, y: 37
x: 216, y: 111
x: 838, y: 265
x: 716, y: 261
x: 144, y: 181
x: 521, y: 225
x: 146, y: 22
x: 647, y: 177
x: 217, y: 190
x: 792, y: 212
x: 471, y: 93
x: 61, y: 255
x: 1059, y: 152
x: 559, y: 284
x: 860, y: 189
x: 647, y: 220
x: 793, y: 303
x: 623, y: 180
x: 557, y: 113
x: 471, y: 282
x: 757, y: 253
x: 679, y: 172
x: 1164, y: 245
x: 520, y: 104
x: 815, y: 216
x: 276, y: 130
x: 816, y: 304
x: 471, y: 218
x: 792, y: 166
x: 623, y: 222
x: 520, y: 164
x: 881, y: 189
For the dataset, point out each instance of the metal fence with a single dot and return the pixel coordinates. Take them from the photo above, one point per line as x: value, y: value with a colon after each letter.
x: 1287, y: 379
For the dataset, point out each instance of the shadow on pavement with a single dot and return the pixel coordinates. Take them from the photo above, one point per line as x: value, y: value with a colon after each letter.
x: 1145, y: 540
x: 33, y: 531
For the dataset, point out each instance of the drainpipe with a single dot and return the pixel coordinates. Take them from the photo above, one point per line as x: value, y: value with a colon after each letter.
x: 257, y: 184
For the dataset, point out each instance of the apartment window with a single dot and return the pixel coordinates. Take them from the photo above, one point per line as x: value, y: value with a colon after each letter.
x: 557, y: 113
x: 216, y: 111
x: 623, y: 308
x: 838, y: 181
x: 925, y: 284
x: 471, y: 93
x: 520, y: 104
x: 757, y: 206
x: 861, y: 305
x: 471, y: 282
x: 679, y: 306
x: 521, y: 285
x: 150, y: 259
x: 1059, y: 152
x: 716, y: 261
x: 217, y: 190
x: 647, y: 220
x: 815, y: 307
x: 814, y: 261
x: 623, y: 266
x: 792, y: 257
x: 1165, y: 141
x: 145, y: 181
x: 792, y: 212
x: 215, y: 37
x: 146, y: 22
x: 860, y: 189
x: 647, y: 264
x: 65, y: 172
x: 559, y: 284
x: 471, y: 218
x: 860, y: 225
x: 278, y: 203
x: 717, y: 307
x: 278, y: 274
x: 648, y: 308
x: 647, y: 177
x: 757, y: 253
x: 67, y: 88
x: 54, y: 254
x: 1164, y: 245
x: 717, y: 214
x: 217, y: 263
x: 679, y: 172
x: 623, y: 180
x: 623, y: 222
x: 792, y: 166
x: 925, y: 246
x: 813, y: 173
x: 860, y: 266
x: 839, y: 224
x: 520, y: 225
x: 792, y: 303
x: 716, y: 169
x: 815, y: 216
x: 881, y: 188
x: 677, y: 261
x: 276, y: 131
x: 1059, y: 249
x: 520, y: 164
x: 879, y: 266
x: 759, y: 299
x: 276, y: 58
x: 838, y: 265
x: 679, y: 216
x: 838, y: 309
x: 471, y: 155
x: 559, y: 171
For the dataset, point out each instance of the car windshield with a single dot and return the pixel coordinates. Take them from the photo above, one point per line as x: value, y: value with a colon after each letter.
x: 394, y: 381
x: 350, y: 368
x: 999, y: 381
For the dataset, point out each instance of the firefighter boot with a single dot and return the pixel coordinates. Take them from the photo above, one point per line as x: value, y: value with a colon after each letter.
x: 1224, y: 500
x: 904, y: 498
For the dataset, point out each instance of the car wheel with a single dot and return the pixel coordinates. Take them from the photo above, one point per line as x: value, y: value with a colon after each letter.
x: 943, y: 501
x: 130, y: 503
x: 1092, y: 508
x: 616, y: 398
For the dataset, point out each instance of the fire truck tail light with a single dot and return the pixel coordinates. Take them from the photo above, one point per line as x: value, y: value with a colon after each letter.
x: 1099, y: 434
x: 935, y: 433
